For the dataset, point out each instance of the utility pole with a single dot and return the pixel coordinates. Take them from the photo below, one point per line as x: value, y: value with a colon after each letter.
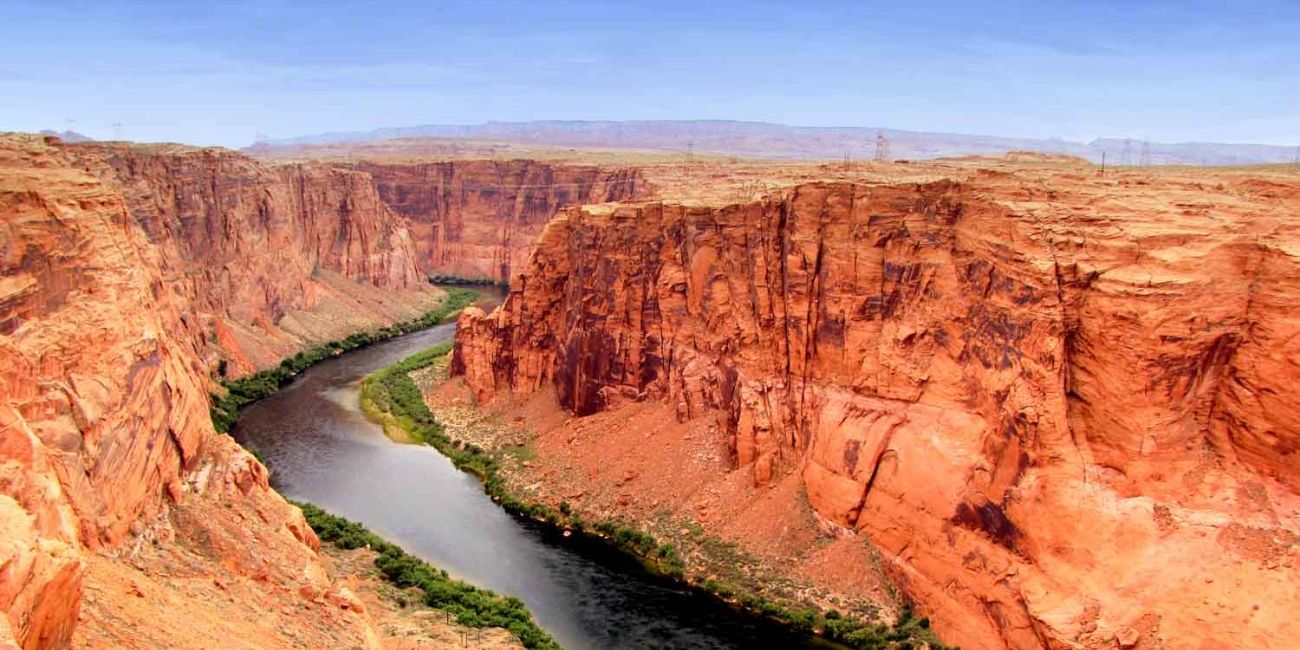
x: 690, y: 156
x: 882, y: 147
x: 1145, y: 160
x: 1103, y: 162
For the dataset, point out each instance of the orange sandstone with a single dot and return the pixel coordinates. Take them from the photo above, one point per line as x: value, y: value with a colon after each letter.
x: 1063, y: 406
x: 478, y: 219
x: 126, y: 274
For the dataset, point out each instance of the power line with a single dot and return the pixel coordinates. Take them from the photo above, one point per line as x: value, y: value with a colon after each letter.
x: 622, y: 181
x: 243, y: 182
x: 545, y: 186
x: 690, y: 157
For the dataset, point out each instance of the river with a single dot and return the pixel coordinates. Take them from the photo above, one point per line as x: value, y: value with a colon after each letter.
x: 322, y: 449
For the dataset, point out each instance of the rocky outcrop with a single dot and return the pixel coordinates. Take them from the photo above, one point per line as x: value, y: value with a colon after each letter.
x: 266, y: 258
x: 119, y: 268
x: 1063, y: 409
x: 478, y: 219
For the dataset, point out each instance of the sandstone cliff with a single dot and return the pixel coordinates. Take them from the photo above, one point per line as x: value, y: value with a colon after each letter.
x: 121, y: 269
x: 1063, y: 407
x: 267, y: 258
x: 479, y: 219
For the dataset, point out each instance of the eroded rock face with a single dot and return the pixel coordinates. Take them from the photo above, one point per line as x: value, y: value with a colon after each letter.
x: 479, y: 219
x: 266, y: 258
x: 107, y: 280
x: 1068, y: 417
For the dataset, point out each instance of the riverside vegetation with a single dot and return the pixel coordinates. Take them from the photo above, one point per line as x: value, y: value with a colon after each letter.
x: 472, y: 606
x: 242, y: 392
x: 460, y: 281
x: 392, y: 397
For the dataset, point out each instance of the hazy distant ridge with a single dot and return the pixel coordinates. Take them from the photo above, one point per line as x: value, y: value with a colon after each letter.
x: 767, y: 140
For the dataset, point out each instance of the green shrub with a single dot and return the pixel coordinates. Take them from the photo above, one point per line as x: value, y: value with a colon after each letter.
x: 242, y: 392
x: 472, y: 606
x: 455, y: 280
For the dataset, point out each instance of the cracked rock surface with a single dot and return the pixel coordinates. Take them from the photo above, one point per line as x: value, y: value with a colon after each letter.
x: 1063, y: 406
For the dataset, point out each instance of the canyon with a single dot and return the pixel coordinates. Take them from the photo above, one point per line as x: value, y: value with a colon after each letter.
x: 1048, y: 407
x: 1059, y: 404
x: 133, y: 277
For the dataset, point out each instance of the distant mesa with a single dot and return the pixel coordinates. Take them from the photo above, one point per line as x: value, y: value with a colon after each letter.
x: 68, y: 136
x: 782, y: 141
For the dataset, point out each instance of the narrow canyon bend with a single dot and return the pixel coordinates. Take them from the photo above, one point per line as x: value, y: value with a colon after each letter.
x: 1060, y: 407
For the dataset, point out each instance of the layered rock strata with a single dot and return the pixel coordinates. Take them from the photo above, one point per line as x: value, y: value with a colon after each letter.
x: 267, y: 258
x: 1064, y: 408
x: 119, y: 268
x: 478, y: 219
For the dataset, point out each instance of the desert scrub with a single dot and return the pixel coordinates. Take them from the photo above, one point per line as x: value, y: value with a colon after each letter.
x: 392, y: 395
x: 460, y: 281
x: 471, y: 606
x: 242, y: 392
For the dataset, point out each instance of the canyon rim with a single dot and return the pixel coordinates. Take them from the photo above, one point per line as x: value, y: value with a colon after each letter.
x: 649, y: 326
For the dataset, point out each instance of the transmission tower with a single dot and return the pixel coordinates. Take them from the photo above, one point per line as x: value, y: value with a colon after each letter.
x: 117, y: 130
x: 1297, y: 156
x: 882, y: 146
x: 1145, y: 159
x: 1126, y: 158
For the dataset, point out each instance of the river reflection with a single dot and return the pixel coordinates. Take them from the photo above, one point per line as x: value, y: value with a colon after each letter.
x: 323, y: 450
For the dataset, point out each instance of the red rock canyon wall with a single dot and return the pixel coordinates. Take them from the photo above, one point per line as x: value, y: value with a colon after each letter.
x: 270, y: 258
x: 1068, y: 417
x: 479, y: 219
x: 122, y: 269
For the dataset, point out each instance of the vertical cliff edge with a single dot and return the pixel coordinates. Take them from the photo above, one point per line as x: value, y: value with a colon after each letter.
x: 1064, y: 408
x: 478, y: 219
x: 128, y: 275
x: 267, y: 259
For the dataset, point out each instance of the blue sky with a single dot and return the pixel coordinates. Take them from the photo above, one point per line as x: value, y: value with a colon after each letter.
x: 218, y: 73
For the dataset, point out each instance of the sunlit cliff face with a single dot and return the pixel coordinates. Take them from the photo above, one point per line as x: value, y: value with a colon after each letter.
x: 1061, y: 414
x: 126, y: 275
